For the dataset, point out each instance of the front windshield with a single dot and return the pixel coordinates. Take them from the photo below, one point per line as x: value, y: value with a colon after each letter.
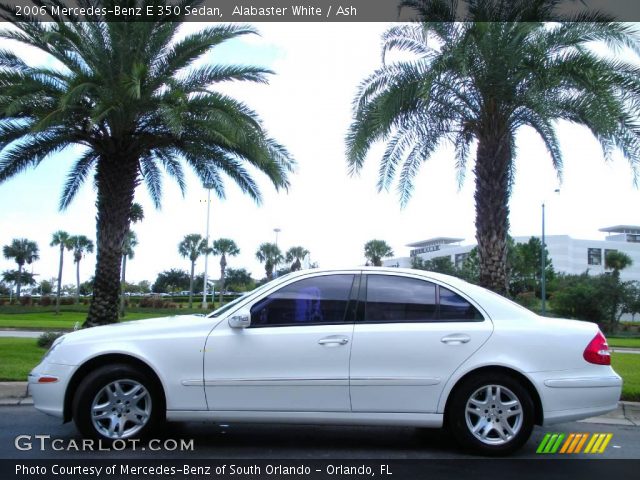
x: 244, y: 296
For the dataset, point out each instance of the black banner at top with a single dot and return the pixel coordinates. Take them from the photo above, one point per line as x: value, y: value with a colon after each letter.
x: 319, y: 10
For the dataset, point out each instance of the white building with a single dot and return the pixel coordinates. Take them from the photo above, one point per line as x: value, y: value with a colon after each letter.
x: 568, y: 255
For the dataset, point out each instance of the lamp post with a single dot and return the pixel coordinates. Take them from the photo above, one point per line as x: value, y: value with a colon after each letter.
x: 543, y: 264
x: 206, y: 253
x: 277, y: 230
x: 543, y: 261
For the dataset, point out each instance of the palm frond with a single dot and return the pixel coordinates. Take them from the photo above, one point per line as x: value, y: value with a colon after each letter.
x: 76, y: 177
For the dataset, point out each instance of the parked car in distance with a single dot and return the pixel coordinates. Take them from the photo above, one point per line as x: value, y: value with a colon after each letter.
x: 364, y: 346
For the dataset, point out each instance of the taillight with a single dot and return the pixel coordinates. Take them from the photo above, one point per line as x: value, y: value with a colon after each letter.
x: 598, y: 351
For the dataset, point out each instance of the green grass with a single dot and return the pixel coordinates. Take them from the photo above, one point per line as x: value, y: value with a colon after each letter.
x: 19, y: 356
x: 627, y: 342
x: 37, y: 318
x: 627, y: 365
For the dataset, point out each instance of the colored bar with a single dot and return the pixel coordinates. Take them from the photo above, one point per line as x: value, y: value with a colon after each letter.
x: 567, y: 442
x: 550, y: 444
x: 596, y: 446
x: 558, y: 442
x: 575, y: 442
x: 606, y: 442
x: 590, y: 444
x: 584, y: 439
x: 543, y: 443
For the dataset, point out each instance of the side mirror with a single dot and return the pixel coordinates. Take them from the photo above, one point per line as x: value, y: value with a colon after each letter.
x: 240, y: 320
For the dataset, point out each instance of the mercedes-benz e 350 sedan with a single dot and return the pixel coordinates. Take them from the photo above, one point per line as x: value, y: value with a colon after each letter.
x: 367, y: 346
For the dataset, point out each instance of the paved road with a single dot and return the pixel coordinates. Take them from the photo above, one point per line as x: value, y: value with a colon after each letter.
x: 287, y: 441
x: 20, y: 333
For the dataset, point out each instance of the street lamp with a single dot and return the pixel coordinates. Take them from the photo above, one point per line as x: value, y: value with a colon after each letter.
x: 206, y: 253
x: 543, y: 264
x: 277, y: 230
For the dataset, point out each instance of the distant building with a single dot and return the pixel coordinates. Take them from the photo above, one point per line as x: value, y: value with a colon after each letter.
x: 568, y: 255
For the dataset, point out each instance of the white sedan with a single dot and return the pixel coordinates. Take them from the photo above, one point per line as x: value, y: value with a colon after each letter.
x: 366, y: 346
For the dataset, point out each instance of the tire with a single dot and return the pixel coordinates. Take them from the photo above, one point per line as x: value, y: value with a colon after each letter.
x: 500, y: 416
x: 117, y: 402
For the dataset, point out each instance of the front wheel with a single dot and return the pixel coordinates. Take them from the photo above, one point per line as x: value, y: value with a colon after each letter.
x: 492, y: 414
x: 117, y: 402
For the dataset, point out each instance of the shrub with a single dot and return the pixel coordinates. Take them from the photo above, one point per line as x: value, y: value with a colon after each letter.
x: 47, y: 338
x: 527, y: 300
x: 45, y: 301
x: 155, y: 302
x: 67, y: 301
x: 25, y: 300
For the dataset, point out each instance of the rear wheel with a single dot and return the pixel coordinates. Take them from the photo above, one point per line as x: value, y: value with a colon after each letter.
x: 491, y: 413
x: 117, y: 402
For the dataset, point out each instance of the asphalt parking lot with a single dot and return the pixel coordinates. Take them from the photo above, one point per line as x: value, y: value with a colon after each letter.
x: 281, y: 441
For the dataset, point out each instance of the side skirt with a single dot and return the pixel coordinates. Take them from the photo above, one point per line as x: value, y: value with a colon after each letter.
x: 431, y: 420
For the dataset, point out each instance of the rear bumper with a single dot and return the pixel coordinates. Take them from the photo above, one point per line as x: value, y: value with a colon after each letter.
x: 566, y: 399
x: 577, y: 414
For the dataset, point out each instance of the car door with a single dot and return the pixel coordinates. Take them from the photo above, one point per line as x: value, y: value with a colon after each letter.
x: 410, y: 336
x: 295, y: 354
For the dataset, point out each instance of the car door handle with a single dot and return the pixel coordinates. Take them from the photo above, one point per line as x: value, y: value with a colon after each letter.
x: 333, y: 341
x: 455, y: 339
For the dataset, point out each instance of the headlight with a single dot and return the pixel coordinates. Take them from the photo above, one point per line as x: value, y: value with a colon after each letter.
x: 55, y: 345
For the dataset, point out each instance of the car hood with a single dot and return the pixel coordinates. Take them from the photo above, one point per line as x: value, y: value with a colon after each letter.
x: 140, y: 328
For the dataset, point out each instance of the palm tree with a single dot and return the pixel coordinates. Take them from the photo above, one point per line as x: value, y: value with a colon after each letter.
x: 270, y: 255
x: 22, y: 251
x: 61, y: 239
x: 136, y: 214
x: 130, y: 242
x: 224, y: 247
x: 191, y: 247
x: 617, y: 261
x: 375, y: 251
x: 81, y: 246
x: 14, y: 277
x: 296, y: 255
x: 138, y: 98
x: 479, y: 81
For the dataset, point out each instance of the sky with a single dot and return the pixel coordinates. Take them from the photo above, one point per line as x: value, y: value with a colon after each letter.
x: 307, y: 107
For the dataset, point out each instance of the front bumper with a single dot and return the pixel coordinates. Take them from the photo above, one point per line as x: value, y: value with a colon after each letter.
x: 48, y: 395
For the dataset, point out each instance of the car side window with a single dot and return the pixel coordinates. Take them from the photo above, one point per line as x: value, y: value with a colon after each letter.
x: 399, y: 299
x: 311, y: 301
x: 391, y: 298
x: 454, y: 308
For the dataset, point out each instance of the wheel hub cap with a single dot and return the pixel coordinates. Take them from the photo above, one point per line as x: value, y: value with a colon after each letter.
x: 121, y: 409
x: 494, y: 414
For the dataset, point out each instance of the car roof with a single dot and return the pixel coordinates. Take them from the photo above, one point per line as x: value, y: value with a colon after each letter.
x: 497, y: 306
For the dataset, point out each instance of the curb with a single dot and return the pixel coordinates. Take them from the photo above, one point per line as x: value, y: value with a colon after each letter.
x: 15, y: 393
x: 627, y: 413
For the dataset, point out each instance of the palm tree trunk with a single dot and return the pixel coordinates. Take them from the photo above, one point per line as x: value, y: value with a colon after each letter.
x: 193, y: 267
x: 268, y: 266
x: 223, y: 267
x: 116, y: 180
x: 59, y: 279
x: 492, y: 207
x: 122, y: 284
x: 78, y: 282
x: 19, y: 282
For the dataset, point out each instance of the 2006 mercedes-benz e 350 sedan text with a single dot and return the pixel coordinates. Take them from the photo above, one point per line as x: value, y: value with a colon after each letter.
x: 368, y: 346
